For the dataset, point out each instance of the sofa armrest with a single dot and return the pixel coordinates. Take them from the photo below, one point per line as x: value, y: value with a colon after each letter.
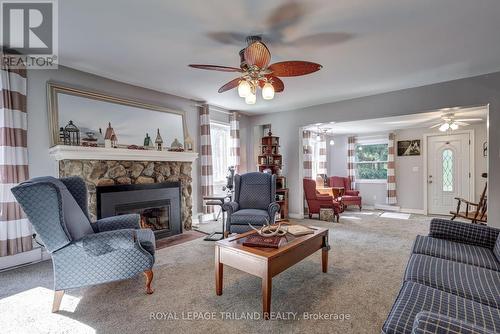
x: 129, y: 221
x: 272, y: 209
x: 351, y: 193
x: 467, y: 233
x: 230, y: 207
x: 432, y: 323
x: 101, y: 243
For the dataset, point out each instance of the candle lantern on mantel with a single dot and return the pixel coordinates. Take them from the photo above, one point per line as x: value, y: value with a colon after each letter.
x: 71, y: 134
x: 159, y: 141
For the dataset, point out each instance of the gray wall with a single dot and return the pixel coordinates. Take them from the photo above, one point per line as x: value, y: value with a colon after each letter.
x: 38, y: 134
x: 481, y: 90
x: 409, y: 170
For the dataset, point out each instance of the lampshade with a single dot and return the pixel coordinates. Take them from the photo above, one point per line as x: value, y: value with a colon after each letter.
x: 444, y: 127
x: 453, y: 126
x: 267, y: 91
x: 244, y: 88
x: 250, y: 98
x: 332, y: 142
x: 318, y: 137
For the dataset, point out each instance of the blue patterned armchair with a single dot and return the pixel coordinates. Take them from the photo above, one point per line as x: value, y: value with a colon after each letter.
x: 254, y: 202
x: 113, y: 248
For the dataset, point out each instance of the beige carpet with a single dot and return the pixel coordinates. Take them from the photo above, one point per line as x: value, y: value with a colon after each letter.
x: 366, y: 266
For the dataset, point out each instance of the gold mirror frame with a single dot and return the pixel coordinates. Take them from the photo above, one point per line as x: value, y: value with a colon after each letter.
x: 53, y: 89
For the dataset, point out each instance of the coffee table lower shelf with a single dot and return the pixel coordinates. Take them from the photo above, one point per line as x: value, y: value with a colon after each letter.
x: 267, y: 262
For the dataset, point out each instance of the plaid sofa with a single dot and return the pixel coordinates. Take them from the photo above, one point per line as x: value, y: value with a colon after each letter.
x: 451, y: 283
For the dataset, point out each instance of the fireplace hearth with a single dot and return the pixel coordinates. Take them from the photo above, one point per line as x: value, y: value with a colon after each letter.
x: 158, y: 204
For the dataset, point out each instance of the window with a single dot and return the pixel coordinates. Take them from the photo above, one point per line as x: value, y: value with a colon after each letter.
x: 315, y: 156
x: 447, y: 161
x: 370, y: 160
x: 220, y: 139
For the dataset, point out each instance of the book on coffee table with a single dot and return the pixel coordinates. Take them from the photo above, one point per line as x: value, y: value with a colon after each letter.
x: 256, y: 240
x: 298, y: 230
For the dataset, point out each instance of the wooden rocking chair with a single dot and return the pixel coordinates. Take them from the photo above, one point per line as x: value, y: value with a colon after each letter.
x: 475, y: 212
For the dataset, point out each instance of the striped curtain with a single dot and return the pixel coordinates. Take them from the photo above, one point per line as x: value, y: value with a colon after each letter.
x: 391, y: 171
x: 207, y: 188
x: 15, y: 229
x: 308, y: 153
x: 234, y: 125
x: 351, y: 171
x: 322, y: 155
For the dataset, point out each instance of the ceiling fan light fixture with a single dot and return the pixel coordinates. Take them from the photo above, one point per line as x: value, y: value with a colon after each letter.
x: 244, y: 89
x: 444, y: 127
x: 268, y: 91
x: 454, y: 126
x: 251, y: 98
x: 332, y: 142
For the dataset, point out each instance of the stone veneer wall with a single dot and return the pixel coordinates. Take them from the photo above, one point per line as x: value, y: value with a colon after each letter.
x: 110, y: 172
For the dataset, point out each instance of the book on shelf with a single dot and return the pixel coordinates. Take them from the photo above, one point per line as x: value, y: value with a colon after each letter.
x: 256, y: 240
x: 298, y: 230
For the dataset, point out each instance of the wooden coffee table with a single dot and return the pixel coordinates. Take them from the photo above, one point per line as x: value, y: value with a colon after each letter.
x: 268, y: 262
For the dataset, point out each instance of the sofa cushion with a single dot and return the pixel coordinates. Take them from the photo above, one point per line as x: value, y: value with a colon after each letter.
x: 432, y: 323
x: 455, y: 251
x: 252, y: 216
x: 496, y: 249
x: 471, y: 282
x: 414, y: 298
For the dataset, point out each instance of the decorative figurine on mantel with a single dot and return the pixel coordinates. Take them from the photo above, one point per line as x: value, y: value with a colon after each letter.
x: 71, y: 134
x: 159, y: 141
x: 110, y: 139
x: 147, y: 141
x: 176, y: 146
x: 188, y: 144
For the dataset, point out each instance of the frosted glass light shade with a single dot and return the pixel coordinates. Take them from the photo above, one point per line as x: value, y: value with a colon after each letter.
x: 454, y: 126
x: 332, y: 142
x: 444, y: 127
x: 244, y: 88
x: 268, y: 91
x: 250, y: 98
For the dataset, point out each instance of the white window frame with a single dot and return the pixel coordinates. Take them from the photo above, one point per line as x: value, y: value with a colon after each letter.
x: 315, y: 155
x: 219, y: 183
x: 370, y: 141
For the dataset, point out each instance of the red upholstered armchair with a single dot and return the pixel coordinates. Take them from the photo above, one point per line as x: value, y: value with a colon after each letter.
x: 351, y: 197
x: 315, y: 200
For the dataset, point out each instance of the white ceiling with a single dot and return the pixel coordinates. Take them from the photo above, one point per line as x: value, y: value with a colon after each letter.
x: 420, y: 120
x: 365, y: 46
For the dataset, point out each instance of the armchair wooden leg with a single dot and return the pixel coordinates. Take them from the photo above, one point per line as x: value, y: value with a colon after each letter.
x: 149, y: 279
x: 360, y: 207
x: 226, y: 234
x: 58, y: 295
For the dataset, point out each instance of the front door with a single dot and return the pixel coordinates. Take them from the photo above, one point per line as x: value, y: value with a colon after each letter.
x: 448, y: 171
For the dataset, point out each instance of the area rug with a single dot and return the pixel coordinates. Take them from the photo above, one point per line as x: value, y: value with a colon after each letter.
x: 395, y: 215
x: 365, y: 271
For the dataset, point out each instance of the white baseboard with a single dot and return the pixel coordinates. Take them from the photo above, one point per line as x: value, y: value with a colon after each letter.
x: 414, y: 211
x: 34, y: 255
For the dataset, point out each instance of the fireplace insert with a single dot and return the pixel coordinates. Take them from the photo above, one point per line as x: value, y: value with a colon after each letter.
x: 158, y: 204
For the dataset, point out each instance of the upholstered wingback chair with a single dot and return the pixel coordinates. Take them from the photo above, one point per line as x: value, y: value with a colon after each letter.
x: 254, y: 202
x: 316, y: 201
x: 84, y: 253
x: 351, y: 197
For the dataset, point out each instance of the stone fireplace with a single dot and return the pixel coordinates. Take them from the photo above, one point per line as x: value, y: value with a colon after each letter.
x: 103, y: 167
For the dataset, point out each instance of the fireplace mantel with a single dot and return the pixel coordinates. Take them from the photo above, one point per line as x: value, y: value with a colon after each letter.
x: 64, y: 152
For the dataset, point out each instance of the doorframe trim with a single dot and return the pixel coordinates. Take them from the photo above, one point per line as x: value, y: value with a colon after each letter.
x: 472, y: 185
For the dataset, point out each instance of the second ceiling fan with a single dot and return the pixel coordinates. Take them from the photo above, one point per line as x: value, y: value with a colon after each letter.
x: 257, y: 72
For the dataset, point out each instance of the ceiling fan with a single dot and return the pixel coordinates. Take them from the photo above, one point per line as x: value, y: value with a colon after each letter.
x: 256, y: 72
x: 450, y: 123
